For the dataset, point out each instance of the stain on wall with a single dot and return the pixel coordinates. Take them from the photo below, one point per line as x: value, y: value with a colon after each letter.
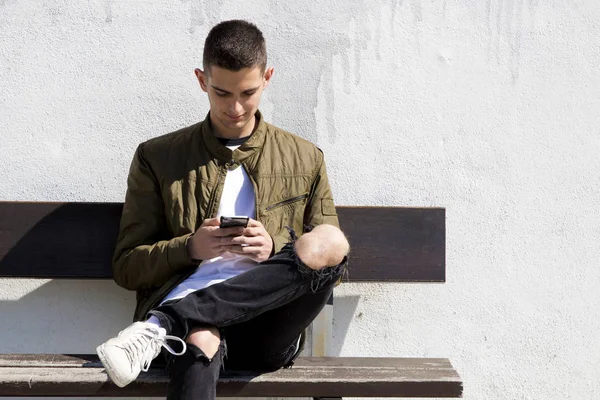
x: 310, y: 55
x: 505, y: 19
x: 108, y: 8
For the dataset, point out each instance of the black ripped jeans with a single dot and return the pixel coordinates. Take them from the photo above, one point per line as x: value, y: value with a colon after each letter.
x: 260, y: 314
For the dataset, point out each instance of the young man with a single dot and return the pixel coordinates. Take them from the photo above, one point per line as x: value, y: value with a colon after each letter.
x: 234, y: 297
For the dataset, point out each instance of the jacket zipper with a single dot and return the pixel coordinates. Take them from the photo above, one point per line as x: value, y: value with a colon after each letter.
x: 256, y: 207
x: 158, y: 295
x: 286, y: 202
x: 213, y: 196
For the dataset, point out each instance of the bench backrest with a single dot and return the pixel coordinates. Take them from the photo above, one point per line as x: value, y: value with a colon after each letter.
x: 76, y: 240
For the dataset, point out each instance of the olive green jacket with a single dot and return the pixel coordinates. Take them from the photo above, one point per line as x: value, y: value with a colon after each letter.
x: 176, y: 181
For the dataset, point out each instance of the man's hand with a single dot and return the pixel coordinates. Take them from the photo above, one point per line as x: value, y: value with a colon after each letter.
x: 255, y: 242
x: 210, y: 241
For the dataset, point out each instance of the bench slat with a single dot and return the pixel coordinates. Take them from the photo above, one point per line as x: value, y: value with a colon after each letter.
x: 91, y: 360
x: 76, y: 240
x: 72, y: 375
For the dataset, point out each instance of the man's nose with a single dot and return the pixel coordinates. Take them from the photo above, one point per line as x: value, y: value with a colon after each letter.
x: 236, y: 108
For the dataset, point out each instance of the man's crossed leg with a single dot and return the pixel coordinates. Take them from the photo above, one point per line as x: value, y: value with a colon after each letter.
x: 296, y: 282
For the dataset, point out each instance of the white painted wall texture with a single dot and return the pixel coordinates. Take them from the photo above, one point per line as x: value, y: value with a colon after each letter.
x: 490, y: 109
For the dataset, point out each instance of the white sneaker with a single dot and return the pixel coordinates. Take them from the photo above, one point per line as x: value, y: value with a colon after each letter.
x: 133, y: 350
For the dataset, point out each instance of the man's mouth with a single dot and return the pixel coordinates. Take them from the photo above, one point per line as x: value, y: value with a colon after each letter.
x: 235, y: 118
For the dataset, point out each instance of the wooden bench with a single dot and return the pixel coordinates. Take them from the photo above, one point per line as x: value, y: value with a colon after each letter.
x: 76, y: 240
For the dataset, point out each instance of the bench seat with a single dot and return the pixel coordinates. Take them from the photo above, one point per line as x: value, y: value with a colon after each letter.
x: 83, y: 375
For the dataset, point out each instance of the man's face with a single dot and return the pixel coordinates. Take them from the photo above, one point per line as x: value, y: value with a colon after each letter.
x: 234, y: 97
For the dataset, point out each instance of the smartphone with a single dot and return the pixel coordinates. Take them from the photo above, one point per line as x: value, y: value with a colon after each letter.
x: 229, y: 222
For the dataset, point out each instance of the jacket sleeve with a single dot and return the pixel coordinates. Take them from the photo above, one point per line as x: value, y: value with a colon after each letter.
x: 146, y: 254
x: 320, y: 208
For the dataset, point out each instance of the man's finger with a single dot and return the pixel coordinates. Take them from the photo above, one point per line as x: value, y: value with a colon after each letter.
x: 211, y: 222
x: 248, y: 240
x: 237, y: 249
x: 252, y: 223
x: 255, y: 231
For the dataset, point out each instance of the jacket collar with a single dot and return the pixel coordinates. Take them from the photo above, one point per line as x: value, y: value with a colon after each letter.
x: 245, y: 152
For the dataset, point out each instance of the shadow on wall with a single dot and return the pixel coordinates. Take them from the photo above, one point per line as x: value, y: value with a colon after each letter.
x: 63, y: 316
x: 344, y: 309
x: 74, y: 316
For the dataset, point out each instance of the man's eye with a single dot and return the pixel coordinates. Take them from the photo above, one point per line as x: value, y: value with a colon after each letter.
x: 250, y: 93
x: 221, y: 94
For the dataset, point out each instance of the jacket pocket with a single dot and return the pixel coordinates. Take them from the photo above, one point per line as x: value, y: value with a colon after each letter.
x: 287, y: 202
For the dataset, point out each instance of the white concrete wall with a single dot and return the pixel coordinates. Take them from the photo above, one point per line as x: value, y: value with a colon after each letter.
x: 488, y: 108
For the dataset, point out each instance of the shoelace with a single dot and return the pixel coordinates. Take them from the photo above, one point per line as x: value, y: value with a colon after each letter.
x: 145, y: 351
x: 158, y: 342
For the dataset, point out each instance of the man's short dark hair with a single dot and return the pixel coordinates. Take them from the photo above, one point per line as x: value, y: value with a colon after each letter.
x: 234, y: 45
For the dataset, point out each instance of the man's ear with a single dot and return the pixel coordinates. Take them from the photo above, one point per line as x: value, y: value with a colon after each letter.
x: 267, y: 76
x: 202, y: 79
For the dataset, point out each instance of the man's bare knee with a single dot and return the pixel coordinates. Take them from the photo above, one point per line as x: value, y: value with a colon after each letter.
x: 206, y: 339
x: 324, y: 246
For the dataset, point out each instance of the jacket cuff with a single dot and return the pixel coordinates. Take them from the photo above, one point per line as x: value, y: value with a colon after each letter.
x: 279, y: 242
x: 177, y: 253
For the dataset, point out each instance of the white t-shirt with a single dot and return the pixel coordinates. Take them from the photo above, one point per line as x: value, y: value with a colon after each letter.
x: 237, y: 199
